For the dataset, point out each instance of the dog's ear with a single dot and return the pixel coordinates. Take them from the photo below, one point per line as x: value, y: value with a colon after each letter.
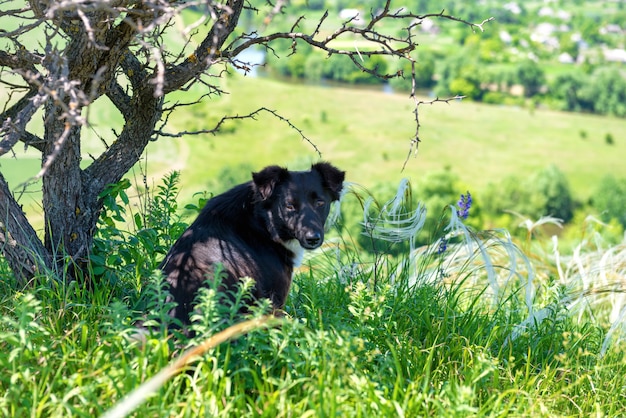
x: 266, y: 179
x: 332, y: 178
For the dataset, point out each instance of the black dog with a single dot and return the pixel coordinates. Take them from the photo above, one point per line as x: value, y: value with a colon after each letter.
x: 257, y: 229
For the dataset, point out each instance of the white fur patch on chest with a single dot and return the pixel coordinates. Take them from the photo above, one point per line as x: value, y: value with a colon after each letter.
x: 294, y: 246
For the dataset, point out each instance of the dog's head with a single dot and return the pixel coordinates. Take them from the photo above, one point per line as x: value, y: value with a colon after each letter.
x: 295, y: 204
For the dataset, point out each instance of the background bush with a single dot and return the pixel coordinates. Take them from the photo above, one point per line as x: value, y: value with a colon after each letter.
x: 544, y: 193
x: 609, y: 199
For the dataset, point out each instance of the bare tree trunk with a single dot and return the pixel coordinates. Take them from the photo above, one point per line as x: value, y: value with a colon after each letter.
x: 71, y: 196
x: 20, y: 244
x: 63, y: 204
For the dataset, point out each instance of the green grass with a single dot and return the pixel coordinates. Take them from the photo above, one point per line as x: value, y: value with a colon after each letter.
x: 425, y: 334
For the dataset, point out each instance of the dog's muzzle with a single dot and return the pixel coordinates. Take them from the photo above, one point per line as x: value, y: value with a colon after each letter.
x: 312, y: 239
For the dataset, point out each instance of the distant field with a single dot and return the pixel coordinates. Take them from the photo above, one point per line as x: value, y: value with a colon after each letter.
x: 367, y: 133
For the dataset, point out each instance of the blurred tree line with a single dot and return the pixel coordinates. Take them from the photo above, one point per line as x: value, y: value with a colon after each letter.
x: 481, y: 66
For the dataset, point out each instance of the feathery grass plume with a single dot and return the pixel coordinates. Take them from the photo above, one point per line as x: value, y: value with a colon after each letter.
x: 590, y: 286
x: 487, y: 261
x: 594, y: 282
x: 335, y: 207
x: 617, y: 326
x: 394, y: 222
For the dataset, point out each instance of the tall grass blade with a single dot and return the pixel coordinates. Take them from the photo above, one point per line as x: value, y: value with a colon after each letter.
x: 141, y: 394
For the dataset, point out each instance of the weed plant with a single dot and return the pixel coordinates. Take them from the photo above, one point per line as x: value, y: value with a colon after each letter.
x: 469, y: 325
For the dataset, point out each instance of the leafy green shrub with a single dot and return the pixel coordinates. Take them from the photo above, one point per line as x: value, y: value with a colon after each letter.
x: 128, y: 246
x: 467, y: 87
x: 545, y: 193
x: 460, y: 74
x: 314, y: 70
x: 230, y: 176
x: 567, y: 88
x: 606, y: 91
x: 552, y: 193
x: 341, y: 68
x: 609, y: 199
x: 531, y: 76
x: 494, y: 97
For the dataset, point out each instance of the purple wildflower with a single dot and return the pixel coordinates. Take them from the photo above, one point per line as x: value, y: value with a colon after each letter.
x: 443, y: 246
x: 464, y: 204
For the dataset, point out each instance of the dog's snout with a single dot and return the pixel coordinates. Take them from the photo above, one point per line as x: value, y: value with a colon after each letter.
x: 313, y: 239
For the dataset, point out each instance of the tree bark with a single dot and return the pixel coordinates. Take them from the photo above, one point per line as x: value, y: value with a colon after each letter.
x: 71, y: 196
x: 20, y: 244
x: 91, y: 60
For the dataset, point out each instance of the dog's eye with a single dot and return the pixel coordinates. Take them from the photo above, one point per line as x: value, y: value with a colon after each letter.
x: 319, y: 203
x: 290, y: 206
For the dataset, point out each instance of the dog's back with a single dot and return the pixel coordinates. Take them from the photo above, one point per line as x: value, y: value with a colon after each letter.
x: 256, y: 229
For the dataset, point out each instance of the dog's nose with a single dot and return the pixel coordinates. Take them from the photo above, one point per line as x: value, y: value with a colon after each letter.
x: 313, y: 239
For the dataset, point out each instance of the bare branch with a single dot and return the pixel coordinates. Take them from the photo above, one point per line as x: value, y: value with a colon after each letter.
x: 21, y: 60
x: 210, y: 49
x: 277, y: 9
x: 15, y: 119
x: 381, y: 44
x: 414, y: 144
x: 252, y: 115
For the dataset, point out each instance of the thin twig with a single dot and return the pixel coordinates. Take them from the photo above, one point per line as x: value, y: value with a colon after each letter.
x: 251, y: 115
x: 414, y: 144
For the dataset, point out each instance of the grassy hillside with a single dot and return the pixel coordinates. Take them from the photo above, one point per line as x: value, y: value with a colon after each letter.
x: 367, y: 132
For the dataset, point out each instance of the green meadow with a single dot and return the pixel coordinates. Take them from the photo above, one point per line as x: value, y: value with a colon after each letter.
x: 367, y: 132
x: 475, y: 328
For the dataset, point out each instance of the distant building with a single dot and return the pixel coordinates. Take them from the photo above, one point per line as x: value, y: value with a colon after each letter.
x: 563, y: 15
x: 615, y: 55
x: 611, y: 28
x: 513, y: 8
x: 354, y: 14
x: 544, y: 34
x: 566, y: 58
x: 505, y: 37
x: 545, y: 12
x: 428, y: 25
x: 549, y: 12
